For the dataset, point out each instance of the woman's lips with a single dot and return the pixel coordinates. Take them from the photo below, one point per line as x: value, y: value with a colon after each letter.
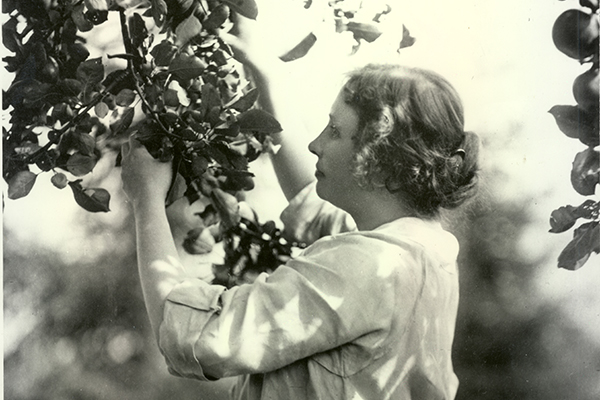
x: 318, y: 174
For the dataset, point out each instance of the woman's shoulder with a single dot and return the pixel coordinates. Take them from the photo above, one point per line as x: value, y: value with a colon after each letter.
x: 403, y: 242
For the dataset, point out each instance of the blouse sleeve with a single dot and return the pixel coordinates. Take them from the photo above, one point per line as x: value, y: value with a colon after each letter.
x: 308, y: 217
x: 317, y: 302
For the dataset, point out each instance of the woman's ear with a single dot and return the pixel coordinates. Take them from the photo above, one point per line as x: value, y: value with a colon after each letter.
x: 385, y: 124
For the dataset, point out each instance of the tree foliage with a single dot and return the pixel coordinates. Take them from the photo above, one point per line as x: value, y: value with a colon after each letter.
x: 575, y: 33
x: 179, y: 87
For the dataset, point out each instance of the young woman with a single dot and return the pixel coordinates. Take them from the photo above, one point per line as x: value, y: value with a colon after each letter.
x: 365, y: 314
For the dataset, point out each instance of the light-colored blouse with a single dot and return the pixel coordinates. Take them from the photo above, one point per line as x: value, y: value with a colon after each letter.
x: 357, y: 315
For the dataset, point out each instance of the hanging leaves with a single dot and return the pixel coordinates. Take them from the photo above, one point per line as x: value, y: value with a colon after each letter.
x: 90, y: 199
x: 189, y: 28
x: 122, y: 124
x: 227, y: 207
x: 301, y: 49
x: 199, y: 241
x: 198, y: 111
x: 585, y: 174
x: 158, y: 11
x: 80, y: 164
x: 217, y: 17
x: 575, y: 33
x: 586, y: 239
x: 125, y: 98
x: 163, y: 53
x: 577, y: 123
x: 247, y: 8
x: 565, y: 217
x: 258, y: 121
x: 91, y: 72
x: 186, y: 67
x: 137, y: 30
x: 21, y: 184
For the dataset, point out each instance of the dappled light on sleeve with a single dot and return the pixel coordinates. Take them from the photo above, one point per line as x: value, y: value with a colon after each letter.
x: 368, y: 315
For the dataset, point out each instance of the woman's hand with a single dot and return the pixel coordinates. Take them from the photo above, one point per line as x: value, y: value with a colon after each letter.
x: 252, y: 47
x: 144, y: 177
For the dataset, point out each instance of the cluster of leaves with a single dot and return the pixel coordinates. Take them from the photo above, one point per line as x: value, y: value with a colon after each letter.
x: 252, y: 248
x: 364, y: 20
x: 575, y: 33
x: 195, y: 106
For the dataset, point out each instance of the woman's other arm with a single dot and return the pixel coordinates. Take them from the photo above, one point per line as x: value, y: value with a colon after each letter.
x: 146, y: 182
x: 279, y: 95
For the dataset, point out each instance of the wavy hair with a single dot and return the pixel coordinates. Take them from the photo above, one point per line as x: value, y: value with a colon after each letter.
x: 411, y: 137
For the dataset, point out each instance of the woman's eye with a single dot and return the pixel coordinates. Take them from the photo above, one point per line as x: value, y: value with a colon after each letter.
x: 334, y: 131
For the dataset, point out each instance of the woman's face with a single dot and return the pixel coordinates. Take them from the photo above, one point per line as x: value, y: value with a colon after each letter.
x: 335, y: 149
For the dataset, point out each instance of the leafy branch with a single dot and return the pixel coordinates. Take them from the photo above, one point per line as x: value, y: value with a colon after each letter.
x: 575, y: 33
x: 198, y: 110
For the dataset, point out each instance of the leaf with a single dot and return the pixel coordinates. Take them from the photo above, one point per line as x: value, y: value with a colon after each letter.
x: 46, y: 160
x: 59, y: 180
x: 186, y: 30
x: 259, y: 121
x: 178, y: 7
x: 125, y: 97
x: 576, y: 122
x: 180, y: 93
x: 117, y: 81
x: 21, y: 184
x: 159, y: 11
x: 78, y: 52
x: 90, y: 199
x: 199, y: 164
x: 186, y: 67
x: 91, y: 72
x: 86, y: 143
x: 562, y: 219
x: 82, y: 23
x: 301, y: 49
x: 586, y: 239
x: 96, y: 5
x: 238, y: 180
x: 247, y: 8
x: 217, y: 17
x: 171, y: 98
x: 70, y: 87
x: 407, y: 40
x: 137, y: 30
x: 199, y: 241
x: 585, y: 174
x: 81, y: 164
x: 97, y: 11
x: 565, y: 217
x: 163, y: 53
x: 227, y: 207
x: 9, y: 35
x: 123, y: 123
x: 369, y: 31
x: 101, y: 109
x: 210, y: 99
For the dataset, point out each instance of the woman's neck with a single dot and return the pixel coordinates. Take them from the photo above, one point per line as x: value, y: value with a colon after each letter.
x: 373, y: 208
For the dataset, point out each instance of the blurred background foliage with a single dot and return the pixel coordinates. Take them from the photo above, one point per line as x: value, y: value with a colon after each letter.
x: 74, y: 321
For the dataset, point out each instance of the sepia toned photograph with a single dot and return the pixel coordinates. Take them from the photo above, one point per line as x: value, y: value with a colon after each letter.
x: 301, y: 199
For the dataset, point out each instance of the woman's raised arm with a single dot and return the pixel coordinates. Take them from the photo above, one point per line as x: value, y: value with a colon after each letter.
x: 293, y: 164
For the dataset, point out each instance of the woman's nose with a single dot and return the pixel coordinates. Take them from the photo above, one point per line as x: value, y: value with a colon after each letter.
x: 314, y: 146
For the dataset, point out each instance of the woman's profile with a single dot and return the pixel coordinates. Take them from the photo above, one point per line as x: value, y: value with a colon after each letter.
x: 368, y: 310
